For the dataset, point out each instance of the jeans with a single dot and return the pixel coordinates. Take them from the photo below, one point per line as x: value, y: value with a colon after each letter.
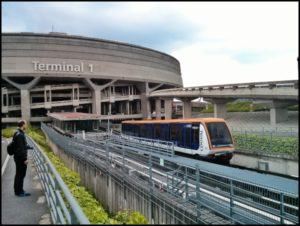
x: 21, y: 168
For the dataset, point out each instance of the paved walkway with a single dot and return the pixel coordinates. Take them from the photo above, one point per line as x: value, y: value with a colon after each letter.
x: 23, y: 210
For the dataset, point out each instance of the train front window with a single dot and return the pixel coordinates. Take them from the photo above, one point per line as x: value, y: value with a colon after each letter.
x: 219, y: 134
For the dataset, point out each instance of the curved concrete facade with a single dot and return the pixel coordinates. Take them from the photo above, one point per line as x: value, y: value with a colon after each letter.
x: 44, y: 73
x: 110, y: 60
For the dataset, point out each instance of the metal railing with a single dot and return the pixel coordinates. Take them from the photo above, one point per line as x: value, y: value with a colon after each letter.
x: 196, y: 185
x: 63, y: 206
x: 164, y: 148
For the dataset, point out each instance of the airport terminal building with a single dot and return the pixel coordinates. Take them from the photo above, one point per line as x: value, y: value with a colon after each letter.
x: 57, y: 72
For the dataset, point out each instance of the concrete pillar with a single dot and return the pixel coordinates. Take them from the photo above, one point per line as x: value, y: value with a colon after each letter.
x: 109, y: 109
x: 187, y: 108
x: 96, y: 101
x: 127, y: 107
x: 5, y: 96
x: 279, y: 111
x: 158, y: 108
x: 25, y: 104
x: 145, y: 103
x: 220, y: 108
x: 168, y: 108
x: 138, y: 105
x: 278, y: 115
x: 145, y: 106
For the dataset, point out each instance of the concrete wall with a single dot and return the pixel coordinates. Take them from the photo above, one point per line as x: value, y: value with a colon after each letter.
x: 118, y: 192
x: 111, y: 60
x: 275, y: 164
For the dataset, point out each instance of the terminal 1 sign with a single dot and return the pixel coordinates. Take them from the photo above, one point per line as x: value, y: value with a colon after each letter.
x: 38, y: 66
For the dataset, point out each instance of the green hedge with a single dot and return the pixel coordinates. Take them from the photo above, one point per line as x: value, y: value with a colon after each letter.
x: 8, y: 132
x: 267, y: 143
x: 90, y: 206
x: 294, y: 107
x: 210, y: 109
x: 239, y: 106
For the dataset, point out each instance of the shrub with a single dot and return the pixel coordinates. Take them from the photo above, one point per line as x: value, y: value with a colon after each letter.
x: 243, y: 106
x: 8, y: 132
x: 130, y: 217
x: 294, y: 107
x: 267, y: 143
x: 210, y: 109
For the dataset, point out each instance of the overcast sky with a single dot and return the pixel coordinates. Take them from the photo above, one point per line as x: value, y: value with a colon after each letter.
x: 215, y: 42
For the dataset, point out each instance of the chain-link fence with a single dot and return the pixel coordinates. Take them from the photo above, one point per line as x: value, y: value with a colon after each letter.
x: 265, y: 141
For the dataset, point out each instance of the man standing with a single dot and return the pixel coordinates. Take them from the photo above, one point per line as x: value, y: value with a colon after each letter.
x: 20, y: 157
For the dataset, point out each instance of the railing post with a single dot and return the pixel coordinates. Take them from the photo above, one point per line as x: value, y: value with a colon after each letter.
x: 150, y: 186
x: 281, y: 208
x: 231, y: 200
x: 198, y: 197
x: 107, y: 162
x: 186, y: 184
x: 270, y: 142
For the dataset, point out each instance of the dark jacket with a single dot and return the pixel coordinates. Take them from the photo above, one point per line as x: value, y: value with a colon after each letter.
x: 20, y: 145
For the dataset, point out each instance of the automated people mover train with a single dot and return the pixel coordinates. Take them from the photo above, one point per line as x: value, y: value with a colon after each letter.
x: 205, y: 138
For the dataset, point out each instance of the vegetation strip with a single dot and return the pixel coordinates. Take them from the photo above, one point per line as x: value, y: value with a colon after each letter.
x: 90, y: 206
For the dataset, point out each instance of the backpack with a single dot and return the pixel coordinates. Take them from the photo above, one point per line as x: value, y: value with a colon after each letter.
x: 11, y: 146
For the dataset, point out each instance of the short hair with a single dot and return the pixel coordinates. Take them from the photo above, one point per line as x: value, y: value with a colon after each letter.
x: 21, y: 123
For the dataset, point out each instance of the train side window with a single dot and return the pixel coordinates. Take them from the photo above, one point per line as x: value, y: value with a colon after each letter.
x: 195, y: 136
x: 173, y: 132
x: 148, y: 131
x: 188, y: 129
x: 123, y: 128
x: 143, y: 130
x: 137, y: 130
x: 164, y: 132
x: 156, y: 131
x: 130, y: 128
x: 180, y: 135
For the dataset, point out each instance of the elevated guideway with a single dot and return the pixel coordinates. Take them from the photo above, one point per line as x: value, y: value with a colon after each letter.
x: 278, y: 94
